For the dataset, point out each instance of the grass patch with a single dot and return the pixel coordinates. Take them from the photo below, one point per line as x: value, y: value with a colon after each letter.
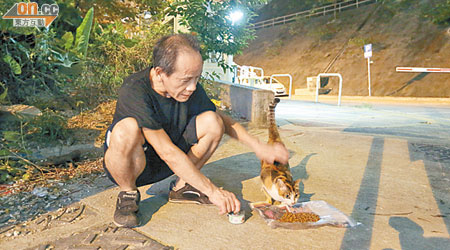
x: 275, y: 48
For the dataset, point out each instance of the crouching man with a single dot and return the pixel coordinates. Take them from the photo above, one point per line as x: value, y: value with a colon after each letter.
x: 163, y: 124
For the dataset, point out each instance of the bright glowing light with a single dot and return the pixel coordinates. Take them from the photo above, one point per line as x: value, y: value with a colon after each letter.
x: 235, y: 16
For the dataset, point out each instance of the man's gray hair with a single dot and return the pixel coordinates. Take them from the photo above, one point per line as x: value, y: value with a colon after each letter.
x: 167, y: 48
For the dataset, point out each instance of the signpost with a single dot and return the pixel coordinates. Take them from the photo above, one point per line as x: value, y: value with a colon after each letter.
x: 368, y: 55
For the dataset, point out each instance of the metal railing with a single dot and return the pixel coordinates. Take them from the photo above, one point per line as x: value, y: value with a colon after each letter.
x: 290, y: 82
x: 245, y: 72
x: 318, y: 85
x: 319, y: 11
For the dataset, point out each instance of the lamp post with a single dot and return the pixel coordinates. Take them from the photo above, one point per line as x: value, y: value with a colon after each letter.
x: 235, y: 16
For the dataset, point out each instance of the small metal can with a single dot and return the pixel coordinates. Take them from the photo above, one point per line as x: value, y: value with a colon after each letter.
x: 238, y: 218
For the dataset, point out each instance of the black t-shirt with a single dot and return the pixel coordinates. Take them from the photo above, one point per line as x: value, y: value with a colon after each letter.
x: 137, y: 99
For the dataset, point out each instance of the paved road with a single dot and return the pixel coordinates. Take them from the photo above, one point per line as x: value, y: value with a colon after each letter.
x: 415, y: 121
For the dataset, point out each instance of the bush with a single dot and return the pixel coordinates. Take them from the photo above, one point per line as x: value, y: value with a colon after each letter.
x: 438, y: 13
x: 325, y: 32
x: 69, y: 66
x: 49, y: 126
x: 27, y: 67
x: 113, y: 54
x: 275, y: 48
x: 298, y: 26
x: 359, y: 41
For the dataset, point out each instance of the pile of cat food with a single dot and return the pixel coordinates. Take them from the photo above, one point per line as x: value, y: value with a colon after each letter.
x: 299, y: 217
x: 304, y: 215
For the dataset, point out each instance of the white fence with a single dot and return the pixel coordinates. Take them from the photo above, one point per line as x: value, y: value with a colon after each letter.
x: 248, y: 72
x: 318, y: 85
x: 320, y: 11
x: 290, y: 82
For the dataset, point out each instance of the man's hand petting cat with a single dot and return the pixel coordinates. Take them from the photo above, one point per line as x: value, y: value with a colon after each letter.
x: 225, y: 200
x: 271, y: 153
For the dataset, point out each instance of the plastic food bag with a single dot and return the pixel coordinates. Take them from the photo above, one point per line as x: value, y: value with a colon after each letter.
x: 328, y: 214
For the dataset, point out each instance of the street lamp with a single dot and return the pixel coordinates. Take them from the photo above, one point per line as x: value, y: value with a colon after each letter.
x: 235, y: 16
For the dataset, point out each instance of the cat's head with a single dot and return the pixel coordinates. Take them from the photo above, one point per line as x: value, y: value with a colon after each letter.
x: 288, y: 192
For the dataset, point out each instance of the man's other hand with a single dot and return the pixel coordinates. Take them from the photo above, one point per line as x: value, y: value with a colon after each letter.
x: 271, y: 153
x: 225, y: 200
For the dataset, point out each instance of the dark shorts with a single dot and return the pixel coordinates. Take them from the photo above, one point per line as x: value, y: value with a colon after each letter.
x: 156, y: 169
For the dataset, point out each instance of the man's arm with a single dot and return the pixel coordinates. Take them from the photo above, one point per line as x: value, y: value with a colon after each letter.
x: 182, y: 166
x: 268, y: 153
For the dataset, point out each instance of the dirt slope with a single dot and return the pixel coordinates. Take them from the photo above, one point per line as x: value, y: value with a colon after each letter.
x: 305, y: 48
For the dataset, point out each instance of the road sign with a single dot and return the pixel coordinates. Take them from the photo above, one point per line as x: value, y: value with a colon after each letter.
x: 368, y: 50
x: 368, y: 55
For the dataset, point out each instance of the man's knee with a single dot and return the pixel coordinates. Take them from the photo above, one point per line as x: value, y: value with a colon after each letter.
x: 126, y: 135
x: 210, y: 123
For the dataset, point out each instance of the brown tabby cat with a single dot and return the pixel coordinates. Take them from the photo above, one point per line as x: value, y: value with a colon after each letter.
x: 276, y: 178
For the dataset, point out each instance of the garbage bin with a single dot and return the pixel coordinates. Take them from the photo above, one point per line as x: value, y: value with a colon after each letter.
x: 311, y: 82
x: 324, y: 81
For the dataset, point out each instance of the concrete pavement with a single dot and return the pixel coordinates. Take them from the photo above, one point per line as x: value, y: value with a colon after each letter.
x: 387, y: 166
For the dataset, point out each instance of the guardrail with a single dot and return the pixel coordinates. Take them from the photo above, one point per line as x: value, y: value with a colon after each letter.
x: 248, y: 71
x: 290, y: 82
x: 319, y: 11
x: 419, y: 69
x: 318, y: 85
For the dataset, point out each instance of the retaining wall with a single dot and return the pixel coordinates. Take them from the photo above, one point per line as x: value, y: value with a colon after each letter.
x: 247, y: 102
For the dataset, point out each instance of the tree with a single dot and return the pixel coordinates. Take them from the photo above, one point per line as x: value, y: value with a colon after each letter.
x: 211, y: 22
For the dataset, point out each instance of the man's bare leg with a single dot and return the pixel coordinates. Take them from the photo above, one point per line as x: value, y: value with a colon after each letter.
x: 210, y: 129
x: 125, y: 157
x: 125, y: 161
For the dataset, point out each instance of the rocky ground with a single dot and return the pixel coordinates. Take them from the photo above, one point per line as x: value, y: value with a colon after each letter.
x: 46, y: 210
x: 18, y: 208
x: 54, y: 186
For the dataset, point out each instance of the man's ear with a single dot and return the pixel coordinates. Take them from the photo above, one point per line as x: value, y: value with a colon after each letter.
x: 158, y: 72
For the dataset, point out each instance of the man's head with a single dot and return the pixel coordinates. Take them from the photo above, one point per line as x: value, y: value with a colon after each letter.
x: 178, y: 64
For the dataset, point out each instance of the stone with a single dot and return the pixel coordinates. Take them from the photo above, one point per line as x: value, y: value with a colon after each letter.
x: 12, y: 112
x: 53, y: 197
x: 40, y: 192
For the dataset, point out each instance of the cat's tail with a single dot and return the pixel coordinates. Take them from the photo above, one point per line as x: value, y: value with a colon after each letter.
x: 273, y: 131
x: 274, y: 103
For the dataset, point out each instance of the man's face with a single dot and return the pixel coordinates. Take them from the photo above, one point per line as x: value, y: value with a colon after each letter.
x: 183, y: 81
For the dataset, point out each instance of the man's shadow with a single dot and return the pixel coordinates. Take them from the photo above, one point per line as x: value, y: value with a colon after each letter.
x: 411, y: 235
x: 229, y: 173
x: 159, y: 192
